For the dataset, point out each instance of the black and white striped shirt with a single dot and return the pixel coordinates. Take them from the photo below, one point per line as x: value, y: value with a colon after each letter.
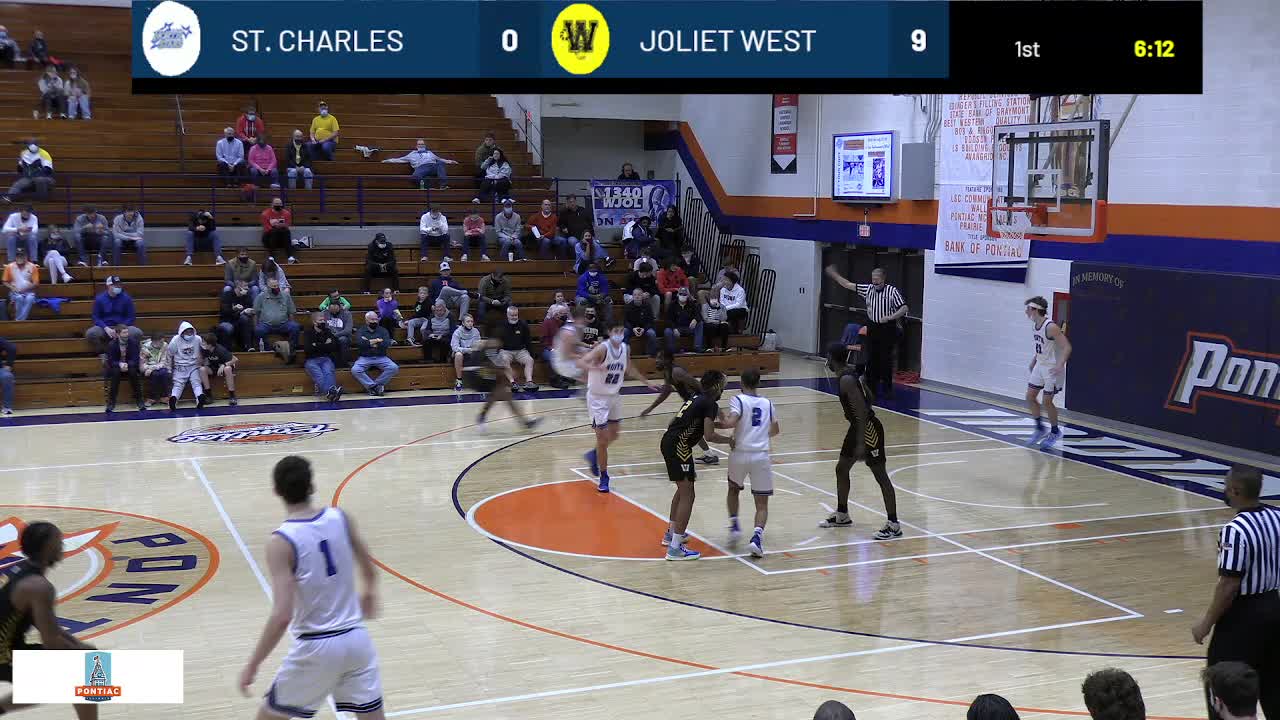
x: 1249, y: 548
x: 881, y: 302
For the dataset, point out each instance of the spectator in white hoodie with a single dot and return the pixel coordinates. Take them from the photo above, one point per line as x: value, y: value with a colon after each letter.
x: 433, y: 227
x: 184, y: 360
x: 733, y: 298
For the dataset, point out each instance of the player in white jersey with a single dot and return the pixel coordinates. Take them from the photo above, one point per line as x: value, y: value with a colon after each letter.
x: 753, y: 422
x: 607, y: 365
x: 313, y: 558
x: 1047, y: 369
x: 567, y: 348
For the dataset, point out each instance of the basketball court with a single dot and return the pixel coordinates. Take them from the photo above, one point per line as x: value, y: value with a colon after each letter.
x: 511, y: 588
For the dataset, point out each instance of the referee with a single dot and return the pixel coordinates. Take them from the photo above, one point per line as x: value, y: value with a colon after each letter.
x: 885, y: 307
x: 1245, y: 612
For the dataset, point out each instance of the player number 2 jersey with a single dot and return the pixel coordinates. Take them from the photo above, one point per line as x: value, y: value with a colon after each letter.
x: 755, y: 418
x: 1046, y: 349
x: 324, y: 569
x: 607, y: 379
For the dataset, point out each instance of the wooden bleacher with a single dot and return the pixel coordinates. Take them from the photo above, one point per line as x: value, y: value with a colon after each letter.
x: 157, y: 152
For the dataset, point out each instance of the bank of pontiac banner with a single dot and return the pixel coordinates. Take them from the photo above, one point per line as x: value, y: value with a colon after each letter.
x: 786, y: 123
x: 106, y: 677
x: 1208, y: 368
x: 962, y: 246
x: 617, y: 202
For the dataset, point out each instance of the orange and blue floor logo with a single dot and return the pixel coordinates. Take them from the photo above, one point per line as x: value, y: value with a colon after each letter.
x: 251, y: 432
x: 117, y: 568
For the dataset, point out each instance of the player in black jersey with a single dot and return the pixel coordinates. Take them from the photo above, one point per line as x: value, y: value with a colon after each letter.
x: 863, y: 441
x: 686, y: 386
x: 486, y: 377
x: 695, y: 420
x: 27, y: 598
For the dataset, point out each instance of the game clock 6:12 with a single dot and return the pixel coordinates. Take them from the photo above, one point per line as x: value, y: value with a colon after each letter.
x: 1153, y: 49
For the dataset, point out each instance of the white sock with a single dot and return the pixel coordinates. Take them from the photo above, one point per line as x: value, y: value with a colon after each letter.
x: 759, y: 531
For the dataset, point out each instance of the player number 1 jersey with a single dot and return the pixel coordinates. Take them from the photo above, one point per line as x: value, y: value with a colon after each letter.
x: 324, y: 568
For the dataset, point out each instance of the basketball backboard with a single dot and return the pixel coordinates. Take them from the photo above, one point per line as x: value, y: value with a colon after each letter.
x: 1049, y: 181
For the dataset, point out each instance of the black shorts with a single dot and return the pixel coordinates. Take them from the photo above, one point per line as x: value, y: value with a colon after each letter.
x: 6, y: 670
x: 678, y: 468
x: 478, y: 382
x: 874, y: 439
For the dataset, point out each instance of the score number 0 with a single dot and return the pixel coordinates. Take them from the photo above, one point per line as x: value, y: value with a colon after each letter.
x: 510, y: 40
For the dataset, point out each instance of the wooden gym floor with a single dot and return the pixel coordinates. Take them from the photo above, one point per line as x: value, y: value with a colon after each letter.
x: 1021, y: 569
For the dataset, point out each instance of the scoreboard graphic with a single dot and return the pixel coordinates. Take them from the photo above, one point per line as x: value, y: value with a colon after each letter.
x: 633, y: 45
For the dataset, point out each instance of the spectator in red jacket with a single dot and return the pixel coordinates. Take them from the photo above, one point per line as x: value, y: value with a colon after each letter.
x: 248, y: 127
x: 545, y: 226
x: 473, y: 235
x: 276, y: 235
x: 671, y: 280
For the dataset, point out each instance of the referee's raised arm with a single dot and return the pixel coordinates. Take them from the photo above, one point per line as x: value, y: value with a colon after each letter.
x: 1244, y: 614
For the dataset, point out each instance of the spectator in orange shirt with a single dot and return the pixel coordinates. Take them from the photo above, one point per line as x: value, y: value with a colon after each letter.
x: 671, y: 280
x: 473, y: 235
x: 22, y: 278
x: 276, y: 236
x: 545, y: 226
x: 249, y: 127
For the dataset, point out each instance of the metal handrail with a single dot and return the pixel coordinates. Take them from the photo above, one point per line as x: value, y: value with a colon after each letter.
x: 180, y: 131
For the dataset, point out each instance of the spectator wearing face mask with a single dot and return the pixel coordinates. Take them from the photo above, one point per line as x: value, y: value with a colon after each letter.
x: 433, y: 229
x: 506, y: 225
x: 640, y: 319
x: 274, y: 311
x: 264, y: 167
x: 243, y: 268
x: 35, y: 173
x: 184, y: 361
x: 124, y: 359
x: 235, y: 317
x: 464, y: 341
x: 128, y: 227
x: 671, y: 280
x: 715, y: 325
x: 324, y: 355
x: 277, y: 238
x: 422, y: 311
x: 483, y: 152
x: 642, y: 280
x: 372, y: 341
x: 22, y: 277
x: 380, y: 261
x: 593, y: 290
x: 389, y: 312
x: 297, y: 162
x: 437, y: 334
x: 249, y: 127
x: 155, y: 372
x: 230, y: 154
x: 682, y: 321
x: 425, y: 164
x: 338, y: 317
x: 588, y: 249
x: 53, y: 96
x: 325, y: 133
x: 112, y: 307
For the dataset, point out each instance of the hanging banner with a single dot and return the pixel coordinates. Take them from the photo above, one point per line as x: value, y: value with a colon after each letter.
x: 617, y: 202
x: 786, y: 119
x: 964, y: 174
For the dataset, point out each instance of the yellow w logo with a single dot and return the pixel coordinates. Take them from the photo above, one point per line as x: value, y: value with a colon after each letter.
x: 580, y: 34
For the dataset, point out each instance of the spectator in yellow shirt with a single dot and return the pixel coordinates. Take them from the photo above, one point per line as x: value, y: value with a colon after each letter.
x: 325, y: 133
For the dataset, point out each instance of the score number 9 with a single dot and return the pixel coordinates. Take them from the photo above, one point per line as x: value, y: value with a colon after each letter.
x: 919, y: 40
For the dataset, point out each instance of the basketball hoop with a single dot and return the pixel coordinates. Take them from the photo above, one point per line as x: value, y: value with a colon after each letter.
x: 1037, y: 216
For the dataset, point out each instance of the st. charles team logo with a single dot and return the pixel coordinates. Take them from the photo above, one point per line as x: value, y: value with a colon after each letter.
x: 117, y: 568
x: 248, y: 433
x: 580, y: 39
x: 171, y: 38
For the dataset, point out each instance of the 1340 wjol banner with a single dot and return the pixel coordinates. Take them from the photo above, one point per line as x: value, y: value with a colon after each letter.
x: 618, y: 202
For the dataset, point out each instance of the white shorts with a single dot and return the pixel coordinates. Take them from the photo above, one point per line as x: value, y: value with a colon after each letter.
x: 1042, y: 379
x: 754, y: 465
x: 570, y: 370
x: 345, y: 666
x: 604, y: 409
